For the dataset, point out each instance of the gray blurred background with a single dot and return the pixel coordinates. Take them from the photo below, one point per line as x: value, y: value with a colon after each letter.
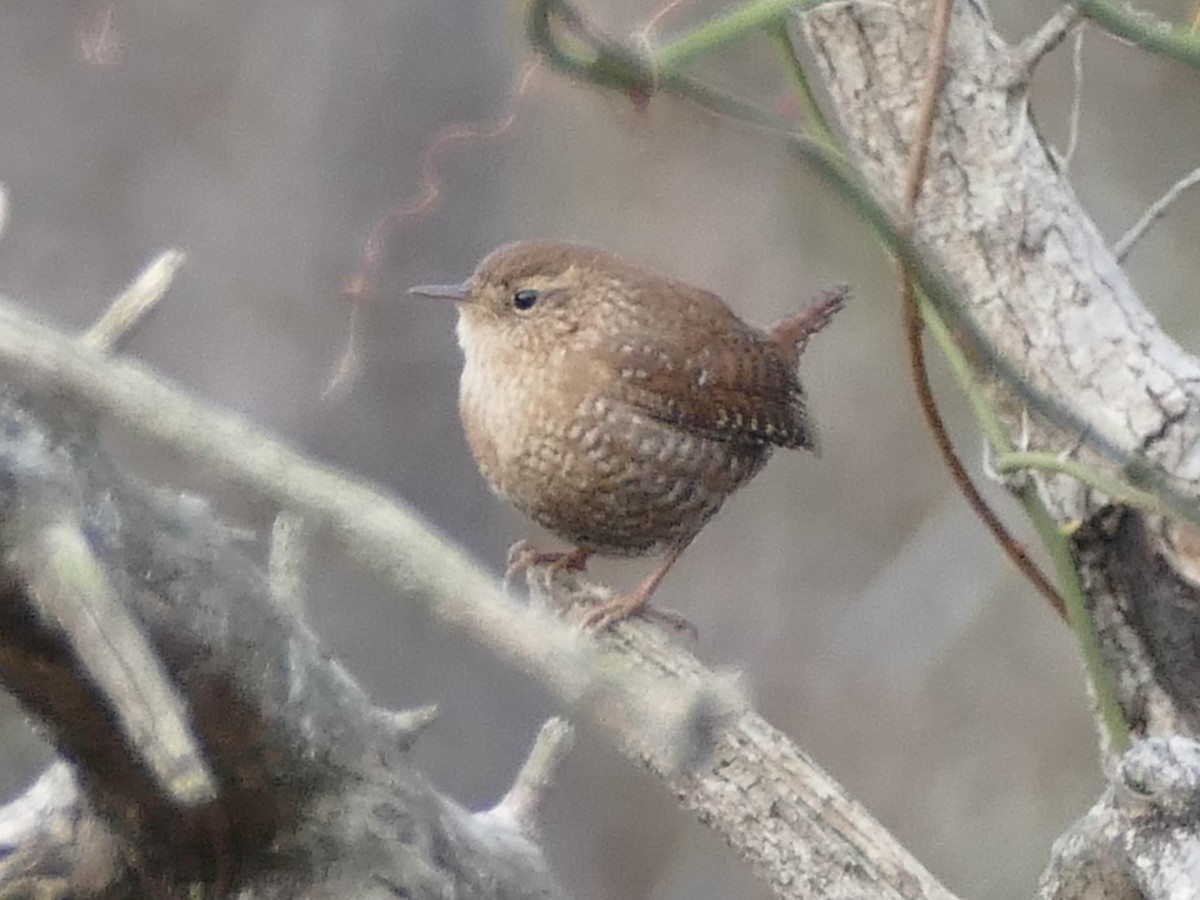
x: 872, y: 618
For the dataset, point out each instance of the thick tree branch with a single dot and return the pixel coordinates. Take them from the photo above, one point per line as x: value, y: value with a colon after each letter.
x: 776, y: 808
x: 1000, y: 218
x: 1141, y: 838
x: 381, y: 533
x: 803, y: 834
x: 995, y: 213
x: 215, y: 742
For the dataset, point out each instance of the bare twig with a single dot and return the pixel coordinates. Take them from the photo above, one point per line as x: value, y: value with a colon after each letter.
x: 1153, y: 213
x: 406, y: 725
x: 129, y: 307
x: 1043, y: 41
x: 73, y: 594
x: 521, y: 806
x: 1076, y: 99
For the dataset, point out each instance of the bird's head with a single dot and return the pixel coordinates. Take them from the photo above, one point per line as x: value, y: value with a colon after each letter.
x: 531, y: 292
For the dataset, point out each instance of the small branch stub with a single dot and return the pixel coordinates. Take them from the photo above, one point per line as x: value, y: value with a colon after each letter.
x: 1141, y: 839
x: 520, y: 807
x: 131, y: 306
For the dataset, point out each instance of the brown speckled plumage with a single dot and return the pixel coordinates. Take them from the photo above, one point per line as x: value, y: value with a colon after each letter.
x: 621, y: 408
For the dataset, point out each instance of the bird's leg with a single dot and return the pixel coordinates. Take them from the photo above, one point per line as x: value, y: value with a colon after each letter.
x: 522, y: 556
x: 634, y: 602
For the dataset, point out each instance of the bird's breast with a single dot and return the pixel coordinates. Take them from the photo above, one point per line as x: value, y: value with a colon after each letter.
x: 514, y: 409
x: 492, y: 405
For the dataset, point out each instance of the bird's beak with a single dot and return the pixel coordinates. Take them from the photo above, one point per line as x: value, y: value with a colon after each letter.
x: 443, y: 291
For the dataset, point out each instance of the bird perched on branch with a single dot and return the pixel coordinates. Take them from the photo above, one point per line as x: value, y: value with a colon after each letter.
x: 617, y: 407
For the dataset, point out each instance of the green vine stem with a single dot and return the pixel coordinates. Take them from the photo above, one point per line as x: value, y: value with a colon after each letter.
x: 592, y: 57
x: 1103, y: 688
x: 1115, y: 489
x: 607, y: 63
x: 1052, y: 537
x: 1135, y: 27
x: 725, y: 30
x: 814, y: 118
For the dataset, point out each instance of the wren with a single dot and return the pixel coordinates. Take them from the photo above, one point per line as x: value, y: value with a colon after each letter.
x: 617, y: 407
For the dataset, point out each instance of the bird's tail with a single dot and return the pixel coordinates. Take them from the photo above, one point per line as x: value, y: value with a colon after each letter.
x: 792, y: 334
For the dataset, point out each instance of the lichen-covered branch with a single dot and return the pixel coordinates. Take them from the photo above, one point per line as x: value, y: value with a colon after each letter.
x: 1001, y: 219
x: 800, y: 831
x: 380, y: 532
x: 998, y: 215
x: 1141, y: 838
x: 213, y: 742
x: 190, y: 582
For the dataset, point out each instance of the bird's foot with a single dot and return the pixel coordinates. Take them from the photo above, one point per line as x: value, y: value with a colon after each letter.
x: 634, y: 605
x: 523, y: 556
x: 636, y: 602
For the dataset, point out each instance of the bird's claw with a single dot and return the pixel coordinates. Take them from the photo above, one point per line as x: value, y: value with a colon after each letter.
x: 523, y: 556
x: 517, y: 561
x: 628, y: 606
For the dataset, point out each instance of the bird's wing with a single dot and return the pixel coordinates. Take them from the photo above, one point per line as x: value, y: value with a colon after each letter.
x: 726, y: 382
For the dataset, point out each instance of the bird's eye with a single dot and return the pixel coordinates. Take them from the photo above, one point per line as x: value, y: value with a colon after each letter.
x: 525, y: 298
